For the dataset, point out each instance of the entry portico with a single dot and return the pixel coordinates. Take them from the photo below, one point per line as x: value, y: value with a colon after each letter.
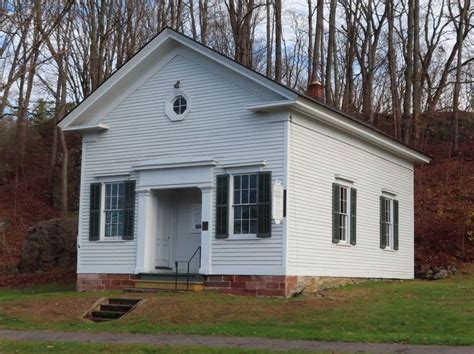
x: 161, y: 176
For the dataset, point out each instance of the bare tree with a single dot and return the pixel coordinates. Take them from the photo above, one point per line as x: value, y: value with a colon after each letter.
x: 278, y: 40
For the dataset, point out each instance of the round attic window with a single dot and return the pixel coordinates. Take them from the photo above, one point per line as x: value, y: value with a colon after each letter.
x: 180, y: 105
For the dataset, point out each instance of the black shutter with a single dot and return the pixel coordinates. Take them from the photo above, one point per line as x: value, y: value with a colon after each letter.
x: 353, y: 216
x: 336, y: 190
x: 395, y: 224
x: 383, y: 225
x: 129, y: 211
x: 95, y: 211
x: 222, y: 206
x: 264, y: 209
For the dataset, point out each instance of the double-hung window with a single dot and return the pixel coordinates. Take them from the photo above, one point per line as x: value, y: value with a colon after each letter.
x: 112, y: 211
x: 114, y: 203
x: 388, y: 223
x: 343, y: 210
x: 388, y: 220
x: 344, y: 214
x: 245, y: 204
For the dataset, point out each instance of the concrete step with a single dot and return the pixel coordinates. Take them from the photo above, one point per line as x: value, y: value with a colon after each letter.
x: 168, y: 285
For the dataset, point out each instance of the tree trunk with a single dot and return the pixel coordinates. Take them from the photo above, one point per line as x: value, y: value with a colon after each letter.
x: 416, y: 72
x: 330, y: 53
x: 392, y: 60
x: 408, y: 75
x: 317, y: 42
x: 278, y: 39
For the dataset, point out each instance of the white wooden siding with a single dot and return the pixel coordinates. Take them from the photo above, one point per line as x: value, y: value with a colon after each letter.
x: 218, y: 126
x: 317, y: 154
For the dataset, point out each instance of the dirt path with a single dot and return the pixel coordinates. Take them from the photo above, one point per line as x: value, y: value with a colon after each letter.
x: 236, y: 342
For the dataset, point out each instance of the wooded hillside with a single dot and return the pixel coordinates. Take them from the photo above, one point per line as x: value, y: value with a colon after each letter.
x: 405, y: 66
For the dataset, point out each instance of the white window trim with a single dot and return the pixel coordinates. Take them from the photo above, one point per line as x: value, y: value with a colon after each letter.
x: 232, y: 235
x: 347, y: 241
x: 391, y: 238
x: 102, y: 237
x: 169, y: 111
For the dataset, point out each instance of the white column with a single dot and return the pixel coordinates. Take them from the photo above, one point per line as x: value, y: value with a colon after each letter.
x: 206, y: 235
x: 146, y: 238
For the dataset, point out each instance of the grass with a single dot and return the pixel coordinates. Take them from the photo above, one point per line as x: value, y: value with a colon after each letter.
x: 419, y: 312
x: 80, y: 348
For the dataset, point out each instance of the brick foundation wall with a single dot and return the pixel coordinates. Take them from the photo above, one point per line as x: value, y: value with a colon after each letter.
x: 254, y: 285
x: 99, y: 282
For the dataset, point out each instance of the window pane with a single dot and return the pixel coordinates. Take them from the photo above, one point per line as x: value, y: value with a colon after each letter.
x: 237, y: 229
x: 253, y: 181
x: 245, y: 212
x: 108, y: 230
x: 238, y: 212
x: 253, y: 211
x: 253, y: 226
x: 245, y: 182
x: 253, y: 196
x: 245, y: 226
x: 237, y: 197
x: 120, y: 202
x: 237, y: 182
x: 245, y: 196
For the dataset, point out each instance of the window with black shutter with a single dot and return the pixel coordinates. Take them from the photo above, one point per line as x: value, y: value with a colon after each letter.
x: 250, y: 195
x: 112, y: 211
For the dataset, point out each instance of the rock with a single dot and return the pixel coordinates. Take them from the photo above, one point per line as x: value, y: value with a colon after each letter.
x: 425, y: 267
x: 442, y: 274
x: 50, y: 245
x: 454, y: 270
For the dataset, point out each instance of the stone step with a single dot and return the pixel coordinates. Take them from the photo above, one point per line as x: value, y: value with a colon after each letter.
x: 171, y: 277
x: 106, y: 314
x: 123, y: 301
x: 94, y: 319
x: 168, y: 285
x: 115, y: 307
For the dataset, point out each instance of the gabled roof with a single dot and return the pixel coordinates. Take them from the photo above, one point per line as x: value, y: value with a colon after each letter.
x: 87, y: 115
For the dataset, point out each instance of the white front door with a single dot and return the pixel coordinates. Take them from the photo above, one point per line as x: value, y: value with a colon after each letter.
x: 166, y: 229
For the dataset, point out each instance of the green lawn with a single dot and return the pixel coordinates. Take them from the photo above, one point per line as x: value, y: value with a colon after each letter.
x: 422, y: 312
x: 80, y: 348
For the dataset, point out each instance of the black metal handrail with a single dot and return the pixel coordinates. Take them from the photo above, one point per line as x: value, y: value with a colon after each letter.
x: 198, y: 250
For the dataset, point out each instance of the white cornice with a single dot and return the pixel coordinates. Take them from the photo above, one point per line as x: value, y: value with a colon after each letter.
x: 315, y: 111
x: 86, y: 128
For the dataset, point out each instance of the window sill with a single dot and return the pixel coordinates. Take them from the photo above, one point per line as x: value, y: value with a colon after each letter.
x: 389, y: 250
x: 344, y: 244
x: 242, y: 237
x: 114, y: 240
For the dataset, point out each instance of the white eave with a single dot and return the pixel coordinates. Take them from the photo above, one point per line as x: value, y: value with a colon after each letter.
x: 86, y: 128
x: 315, y: 111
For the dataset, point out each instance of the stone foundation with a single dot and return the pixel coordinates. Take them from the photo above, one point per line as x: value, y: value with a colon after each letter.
x: 274, y: 285
x: 254, y: 285
x: 99, y: 282
x: 314, y: 285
